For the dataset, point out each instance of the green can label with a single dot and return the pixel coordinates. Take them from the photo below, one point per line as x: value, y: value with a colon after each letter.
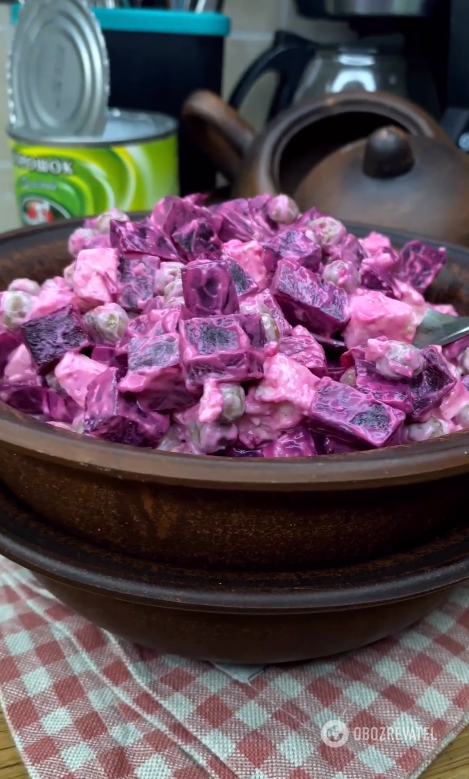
x: 58, y: 183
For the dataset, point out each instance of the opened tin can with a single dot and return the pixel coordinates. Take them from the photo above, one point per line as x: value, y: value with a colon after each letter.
x: 130, y: 166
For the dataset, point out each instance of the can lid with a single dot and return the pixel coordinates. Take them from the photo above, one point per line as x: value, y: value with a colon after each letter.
x: 58, y: 73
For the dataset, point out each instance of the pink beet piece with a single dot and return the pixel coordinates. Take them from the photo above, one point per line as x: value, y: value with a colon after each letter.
x: 75, y: 372
x: 295, y: 443
x: 48, y: 338
x: 306, y: 299
x: 114, y: 417
x: 348, y: 415
x: 302, y: 347
x: 292, y: 245
x: 215, y: 347
x: 209, y: 289
x: 95, y: 276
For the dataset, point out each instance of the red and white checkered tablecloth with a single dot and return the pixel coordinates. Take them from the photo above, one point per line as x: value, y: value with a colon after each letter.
x: 82, y: 704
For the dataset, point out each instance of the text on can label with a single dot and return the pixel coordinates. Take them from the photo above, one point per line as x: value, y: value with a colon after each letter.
x: 58, y: 167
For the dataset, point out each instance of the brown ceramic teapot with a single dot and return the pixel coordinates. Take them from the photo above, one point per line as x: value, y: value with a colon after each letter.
x: 316, y: 152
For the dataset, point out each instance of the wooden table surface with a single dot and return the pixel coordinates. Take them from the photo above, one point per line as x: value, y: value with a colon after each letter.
x: 453, y: 763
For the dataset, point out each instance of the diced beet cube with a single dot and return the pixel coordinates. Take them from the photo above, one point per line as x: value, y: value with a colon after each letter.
x: 395, y: 393
x: 215, y: 347
x: 103, y: 353
x: 295, y: 443
x: 48, y: 338
x: 302, y: 347
x: 171, y: 395
x: 305, y: 220
x: 305, y: 298
x: 375, y: 275
x: 133, y: 238
x: 295, y: 246
x: 253, y: 327
x: 197, y: 238
x: 243, y: 220
x: 135, y: 280
x: 431, y: 385
x: 115, y: 417
x: 348, y: 415
x: 8, y: 343
x: 243, y: 282
x: 154, y: 363
x: 421, y: 264
x: 348, y: 250
x: 155, y: 322
x: 209, y: 289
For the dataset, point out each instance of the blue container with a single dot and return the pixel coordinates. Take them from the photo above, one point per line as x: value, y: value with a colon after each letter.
x: 157, y: 59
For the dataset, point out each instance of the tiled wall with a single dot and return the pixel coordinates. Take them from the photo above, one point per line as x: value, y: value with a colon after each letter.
x: 253, y: 25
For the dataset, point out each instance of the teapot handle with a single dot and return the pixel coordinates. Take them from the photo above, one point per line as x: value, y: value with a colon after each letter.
x: 218, y: 130
x: 288, y: 57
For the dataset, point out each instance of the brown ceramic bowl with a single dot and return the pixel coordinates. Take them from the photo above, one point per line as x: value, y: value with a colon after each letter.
x: 223, y: 514
x: 236, y: 617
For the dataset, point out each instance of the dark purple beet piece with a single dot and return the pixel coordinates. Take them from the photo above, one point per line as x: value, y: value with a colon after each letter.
x: 134, y: 283
x: 103, y: 353
x: 295, y: 246
x: 431, y: 386
x: 302, y: 347
x: 8, y: 343
x: 243, y: 282
x: 395, y: 393
x: 197, y: 238
x: 346, y: 414
x: 239, y: 451
x: 209, y: 289
x: 349, y: 250
x: 329, y: 445
x: 216, y: 347
x: 421, y: 264
x: 39, y: 401
x: 242, y: 221
x: 133, y: 237
x: 172, y: 213
x: 154, y: 363
x: 115, y: 417
x: 306, y: 299
x: 294, y: 443
x: 49, y: 337
x: 373, y: 276
x: 254, y: 329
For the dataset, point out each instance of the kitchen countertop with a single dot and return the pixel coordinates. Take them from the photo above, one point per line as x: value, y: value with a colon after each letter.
x: 453, y: 763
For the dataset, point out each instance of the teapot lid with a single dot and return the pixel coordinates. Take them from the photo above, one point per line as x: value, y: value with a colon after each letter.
x: 394, y: 180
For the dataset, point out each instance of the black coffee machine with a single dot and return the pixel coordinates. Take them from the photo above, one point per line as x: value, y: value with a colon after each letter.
x: 417, y: 48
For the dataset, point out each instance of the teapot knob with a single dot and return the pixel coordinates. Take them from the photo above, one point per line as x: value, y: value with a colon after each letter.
x: 388, y: 154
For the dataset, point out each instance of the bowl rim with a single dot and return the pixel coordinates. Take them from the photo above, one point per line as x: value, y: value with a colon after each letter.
x: 405, y: 464
x: 430, y: 567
